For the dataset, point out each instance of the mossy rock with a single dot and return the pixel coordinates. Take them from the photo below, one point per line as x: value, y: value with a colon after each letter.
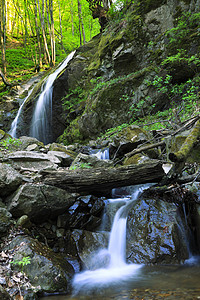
x: 62, y: 148
x: 135, y: 160
x: 71, y: 134
x: 177, y: 142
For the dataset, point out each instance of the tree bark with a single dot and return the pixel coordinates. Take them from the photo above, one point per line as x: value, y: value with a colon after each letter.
x: 101, y: 180
x: 3, y: 34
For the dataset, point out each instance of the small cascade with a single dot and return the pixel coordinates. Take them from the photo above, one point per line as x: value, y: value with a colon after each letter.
x: 41, y: 123
x: 102, y: 154
x: 193, y: 250
x: 116, y: 269
x: 16, y: 121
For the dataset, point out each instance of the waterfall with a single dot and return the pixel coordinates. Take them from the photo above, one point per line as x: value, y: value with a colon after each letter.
x: 15, y: 123
x: 117, y: 269
x: 102, y: 154
x: 41, y: 123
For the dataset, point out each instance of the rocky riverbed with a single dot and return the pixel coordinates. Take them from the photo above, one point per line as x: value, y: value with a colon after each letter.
x: 48, y: 233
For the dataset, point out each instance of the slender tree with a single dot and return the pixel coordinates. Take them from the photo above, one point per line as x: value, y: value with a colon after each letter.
x: 81, y: 25
x: 38, y: 35
x: 3, y: 34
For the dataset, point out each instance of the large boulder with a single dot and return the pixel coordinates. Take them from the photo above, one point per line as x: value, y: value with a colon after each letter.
x: 155, y: 233
x: 39, y: 202
x: 33, y: 161
x: 10, y: 179
x: 47, y: 271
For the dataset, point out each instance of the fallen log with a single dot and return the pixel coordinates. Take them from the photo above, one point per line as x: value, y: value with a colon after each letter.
x: 182, y: 154
x: 101, y: 180
x: 141, y: 149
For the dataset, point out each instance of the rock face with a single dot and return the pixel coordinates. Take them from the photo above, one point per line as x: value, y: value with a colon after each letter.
x: 154, y: 233
x: 39, y: 201
x: 47, y: 271
x: 10, y: 179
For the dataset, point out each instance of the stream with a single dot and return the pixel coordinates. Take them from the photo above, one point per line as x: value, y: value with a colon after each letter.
x: 113, y: 278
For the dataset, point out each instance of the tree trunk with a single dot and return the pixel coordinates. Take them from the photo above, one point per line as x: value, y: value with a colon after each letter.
x: 81, y: 25
x: 38, y: 35
x: 3, y: 34
x: 43, y: 30
x: 100, y: 180
x: 53, y: 49
x: 60, y: 21
x: 72, y: 16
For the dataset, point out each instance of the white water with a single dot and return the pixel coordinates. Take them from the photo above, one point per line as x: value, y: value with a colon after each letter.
x: 42, y: 117
x: 14, y: 125
x: 102, y: 154
x: 117, y: 270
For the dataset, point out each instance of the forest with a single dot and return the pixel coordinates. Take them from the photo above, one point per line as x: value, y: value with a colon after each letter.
x: 38, y: 34
x: 99, y: 149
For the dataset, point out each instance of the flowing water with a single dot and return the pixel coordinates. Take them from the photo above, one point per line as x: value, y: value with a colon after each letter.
x: 15, y: 123
x: 116, y: 279
x: 41, y: 123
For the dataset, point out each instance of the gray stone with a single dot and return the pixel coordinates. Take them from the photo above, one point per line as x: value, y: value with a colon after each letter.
x: 153, y: 233
x: 33, y: 161
x: 65, y: 158
x: 47, y: 272
x: 10, y: 179
x: 88, y: 244
x: 39, y: 202
x: 5, y: 220
x: 32, y: 147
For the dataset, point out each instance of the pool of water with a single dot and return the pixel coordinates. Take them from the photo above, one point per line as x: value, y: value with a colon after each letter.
x: 149, y: 282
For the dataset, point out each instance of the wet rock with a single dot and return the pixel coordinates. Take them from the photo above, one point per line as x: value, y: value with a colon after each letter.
x: 39, y: 202
x: 47, y: 271
x: 10, y: 179
x: 88, y: 244
x: 155, y: 233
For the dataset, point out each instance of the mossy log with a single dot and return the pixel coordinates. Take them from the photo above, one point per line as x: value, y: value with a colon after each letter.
x: 187, y: 146
x: 101, y: 180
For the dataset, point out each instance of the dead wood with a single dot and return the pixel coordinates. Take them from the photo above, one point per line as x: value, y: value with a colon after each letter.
x: 99, y: 180
x: 138, y: 150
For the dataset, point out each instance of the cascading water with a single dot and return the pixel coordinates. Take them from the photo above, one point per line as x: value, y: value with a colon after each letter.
x: 117, y: 269
x: 102, y: 154
x: 41, y: 123
x: 15, y: 123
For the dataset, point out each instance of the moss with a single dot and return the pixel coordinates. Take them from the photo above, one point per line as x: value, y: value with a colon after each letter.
x: 135, y: 159
x: 71, y: 134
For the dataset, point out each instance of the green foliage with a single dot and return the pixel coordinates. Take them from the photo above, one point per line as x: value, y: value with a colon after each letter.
x: 73, y: 98
x: 81, y: 166
x: 26, y: 260
x: 186, y: 30
x: 10, y: 143
x: 113, y: 131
